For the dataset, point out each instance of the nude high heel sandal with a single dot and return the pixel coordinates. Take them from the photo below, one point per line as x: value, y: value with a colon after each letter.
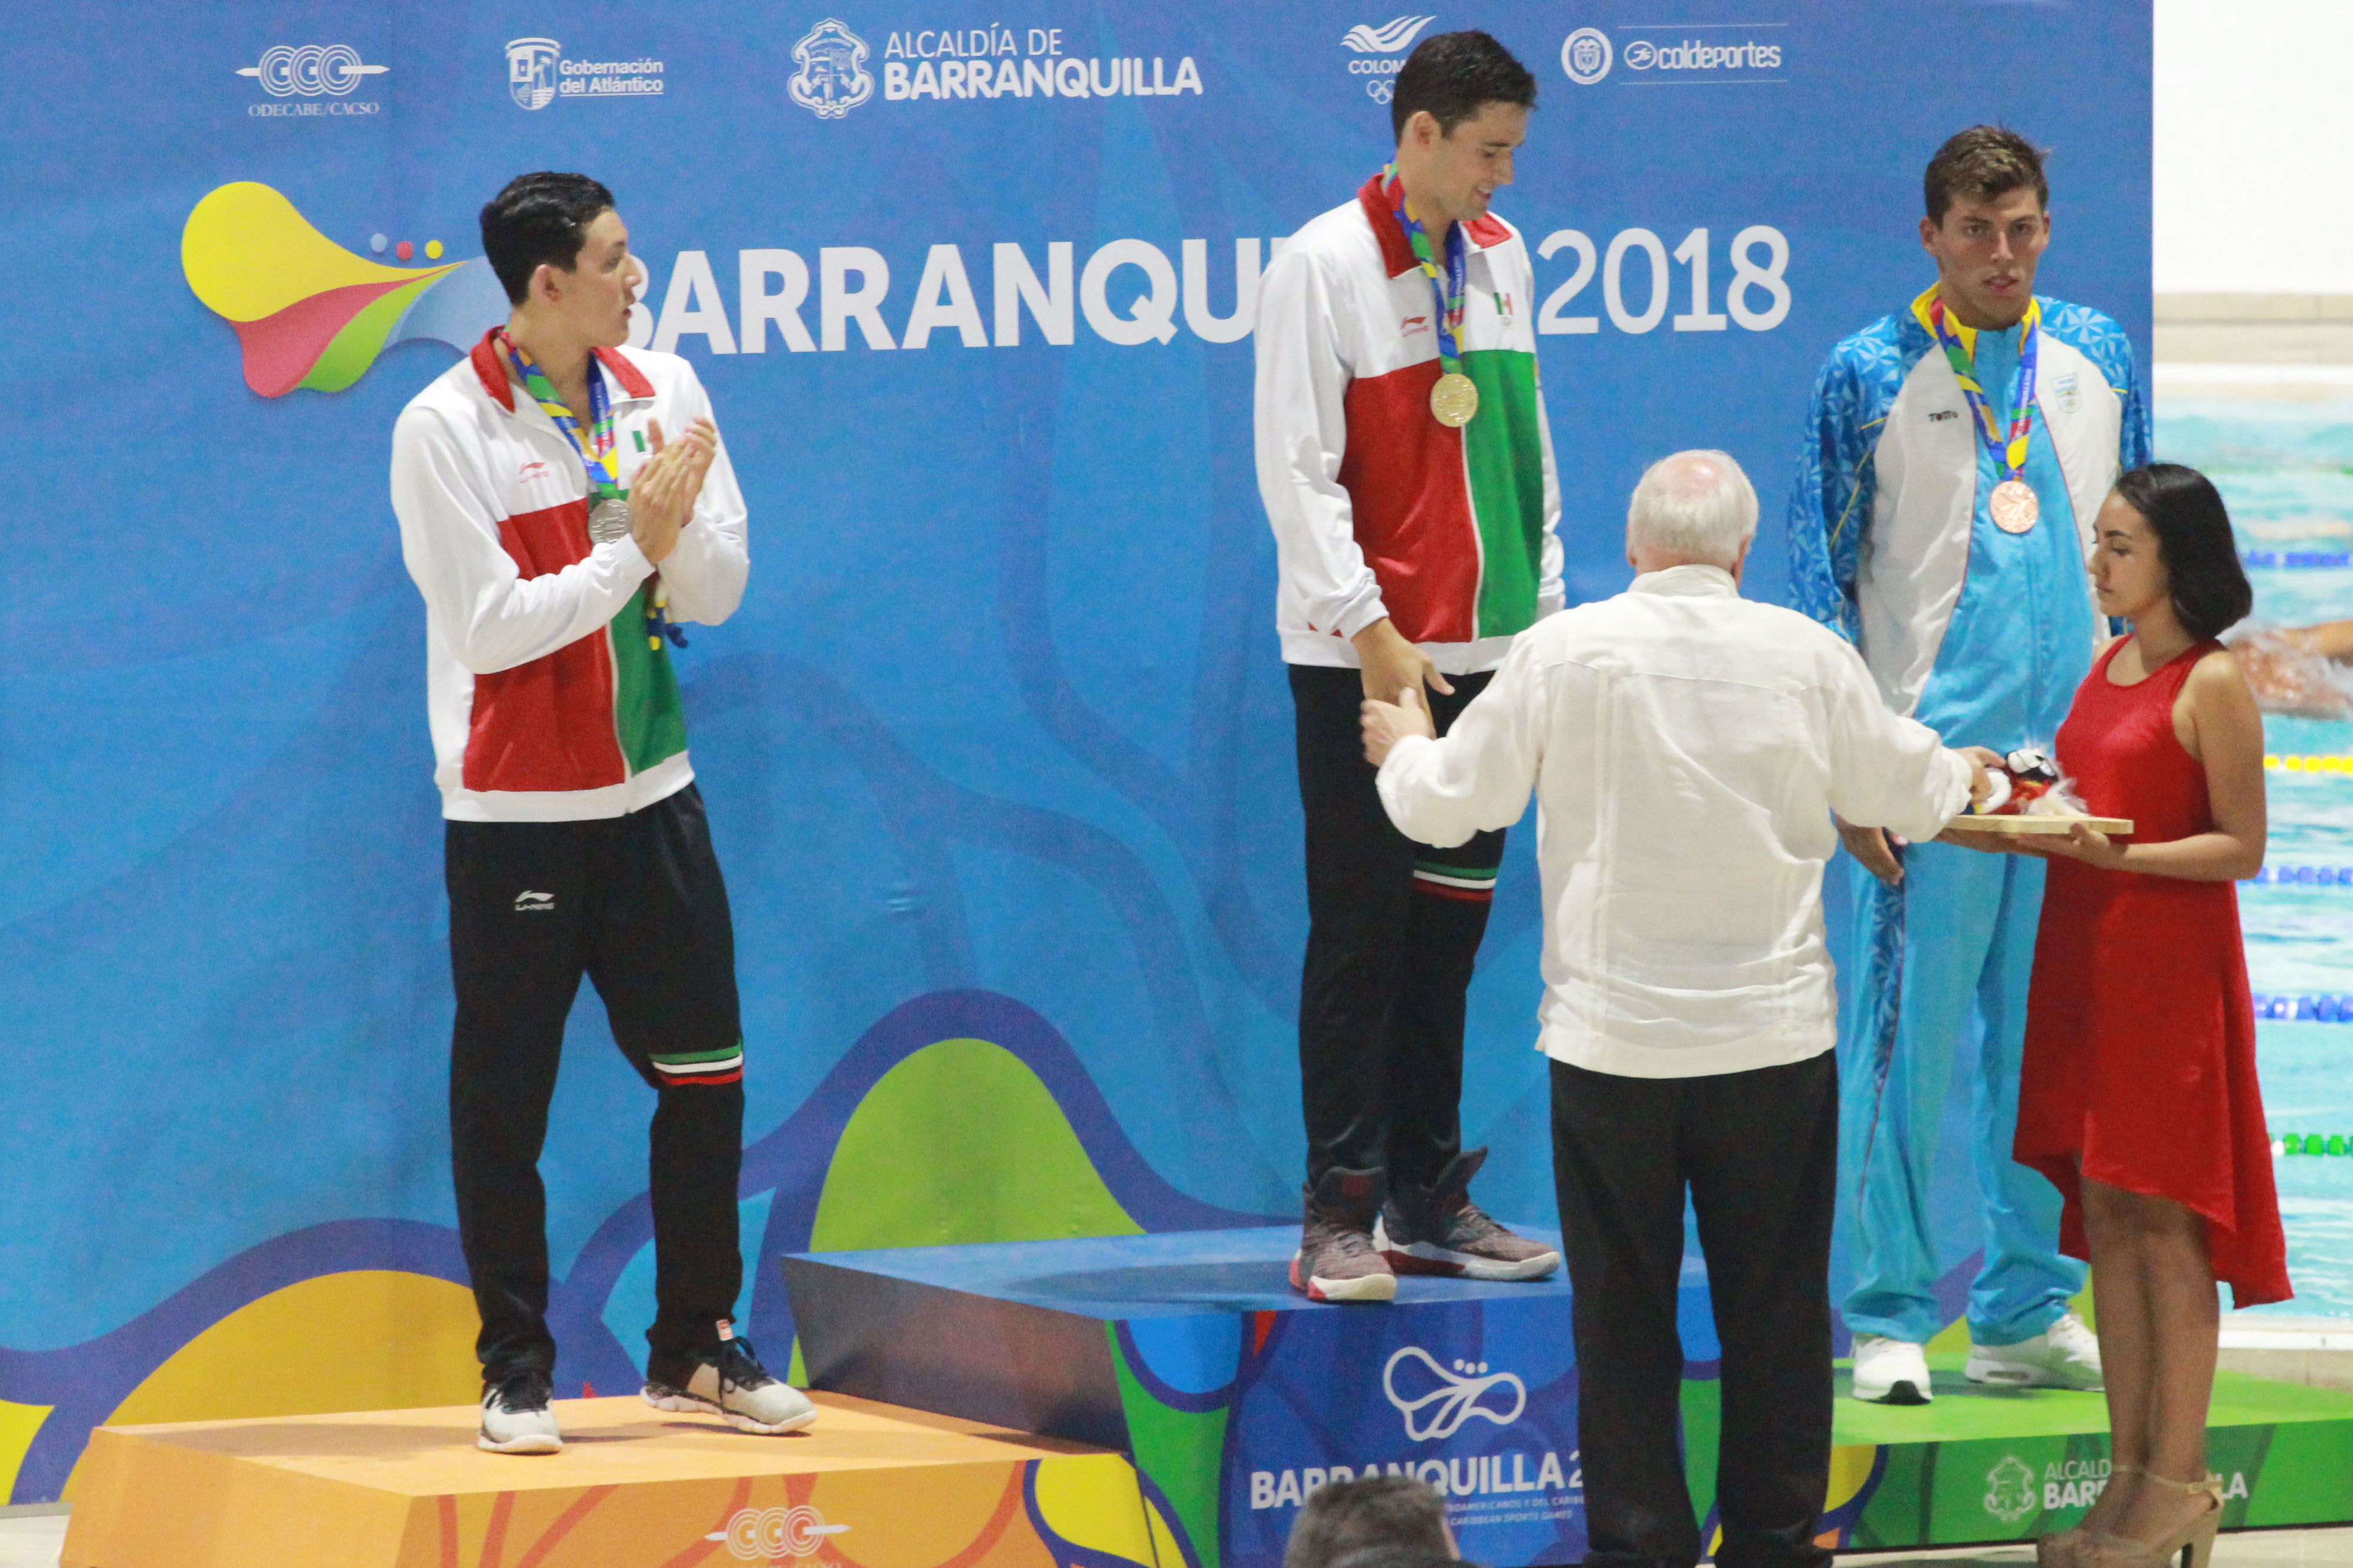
x: 2066, y: 1549
x: 2195, y: 1533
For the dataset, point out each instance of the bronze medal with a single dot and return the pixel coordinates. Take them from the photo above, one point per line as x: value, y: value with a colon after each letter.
x: 2014, y: 507
x: 1454, y: 399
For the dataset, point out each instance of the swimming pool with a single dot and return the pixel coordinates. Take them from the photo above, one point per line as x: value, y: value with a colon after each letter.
x: 2285, y: 468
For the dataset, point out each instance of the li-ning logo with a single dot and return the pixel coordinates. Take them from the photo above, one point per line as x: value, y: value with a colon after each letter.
x: 1390, y: 38
x: 1413, y: 324
x: 530, y: 70
x: 2009, y: 1491
x: 1585, y: 56
x: 773, y: 1534
x: 1440, y: 1410
x: 310, y: 71
x: 833, y: 78
x: 528, y: 901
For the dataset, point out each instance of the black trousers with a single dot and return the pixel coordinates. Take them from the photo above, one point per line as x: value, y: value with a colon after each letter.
x: 636, y: 903
x: 1390, y: 953
x: 1759, y: 1152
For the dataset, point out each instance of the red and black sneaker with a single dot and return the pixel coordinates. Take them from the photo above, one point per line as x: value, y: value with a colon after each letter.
x: 1337, y: 1261
x: 1436, y: 1229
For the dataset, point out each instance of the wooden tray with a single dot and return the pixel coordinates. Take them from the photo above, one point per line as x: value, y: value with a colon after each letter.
x: 2020, y: 827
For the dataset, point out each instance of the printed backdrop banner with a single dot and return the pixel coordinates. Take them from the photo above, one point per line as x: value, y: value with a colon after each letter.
x: 997, y: 750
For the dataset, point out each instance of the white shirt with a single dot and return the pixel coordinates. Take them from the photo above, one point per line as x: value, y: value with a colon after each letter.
x: 1687, y: 747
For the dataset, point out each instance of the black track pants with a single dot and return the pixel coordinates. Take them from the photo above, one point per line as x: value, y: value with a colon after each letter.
x: 636, y: 903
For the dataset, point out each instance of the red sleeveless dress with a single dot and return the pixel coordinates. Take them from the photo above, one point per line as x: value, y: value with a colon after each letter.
x: 2140, y: 1035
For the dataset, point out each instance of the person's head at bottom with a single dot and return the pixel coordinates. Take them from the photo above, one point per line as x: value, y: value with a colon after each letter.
x: 1381, y: 1522
x: 1693, y: 509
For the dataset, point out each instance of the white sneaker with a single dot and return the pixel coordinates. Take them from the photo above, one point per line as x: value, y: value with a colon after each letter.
x: 515, y: 1417
x: 1890, y: 1372
x: 2064, y: 1355
x: 728, y: 1380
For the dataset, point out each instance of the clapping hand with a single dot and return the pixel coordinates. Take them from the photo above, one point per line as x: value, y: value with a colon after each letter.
x: 662, y: 496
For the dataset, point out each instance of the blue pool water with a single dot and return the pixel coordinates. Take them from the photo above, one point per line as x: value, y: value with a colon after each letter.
x: 2286, y: 471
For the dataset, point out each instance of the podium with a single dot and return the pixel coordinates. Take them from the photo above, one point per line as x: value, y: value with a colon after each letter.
x: 1235, y: 1397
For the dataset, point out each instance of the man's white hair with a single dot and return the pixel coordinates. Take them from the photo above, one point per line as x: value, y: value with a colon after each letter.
x: 1694, y: 506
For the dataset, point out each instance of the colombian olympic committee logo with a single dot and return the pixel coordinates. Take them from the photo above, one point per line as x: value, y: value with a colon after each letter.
x: 769, y: 1534
x: 1585, y: 56
x: 310, y: 71
x: 1450, y: 1398
x: 1383, y: 47
x: 530, y: 70
x: 832, y: 80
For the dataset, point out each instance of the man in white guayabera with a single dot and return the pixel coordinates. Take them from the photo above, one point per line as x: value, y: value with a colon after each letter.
x: 1688, y: 747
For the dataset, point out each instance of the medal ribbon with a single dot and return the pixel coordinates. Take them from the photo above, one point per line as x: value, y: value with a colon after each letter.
x: 601, y: 457
x: 596, y: 453
x: 2010, y: 451
x: 1452, y: 291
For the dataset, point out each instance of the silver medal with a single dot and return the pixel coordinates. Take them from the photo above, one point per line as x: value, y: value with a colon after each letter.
x: 608, y: 519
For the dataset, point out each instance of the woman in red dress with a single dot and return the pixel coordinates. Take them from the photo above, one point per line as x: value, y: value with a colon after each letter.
x: 2138, y: 1096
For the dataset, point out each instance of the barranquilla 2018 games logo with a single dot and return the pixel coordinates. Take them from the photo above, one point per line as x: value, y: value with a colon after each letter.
x: 310, y: 313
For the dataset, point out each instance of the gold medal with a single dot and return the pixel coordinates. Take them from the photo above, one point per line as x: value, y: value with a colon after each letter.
x: 1454, y: 399
x: 2014, y: 507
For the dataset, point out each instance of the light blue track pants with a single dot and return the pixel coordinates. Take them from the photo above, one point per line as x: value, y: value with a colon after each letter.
x: 1935, y: 1006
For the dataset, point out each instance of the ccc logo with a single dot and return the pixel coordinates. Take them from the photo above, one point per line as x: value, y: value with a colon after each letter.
x: 312, y: 70
x: 772, y: 1534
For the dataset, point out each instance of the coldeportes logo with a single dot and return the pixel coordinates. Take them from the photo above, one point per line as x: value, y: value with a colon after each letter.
x: 770, y: 1534
x: 310, y: 71
x: 2009, y: 1491
x: 1389, y: 40
x: 309, y: 312
x: 832, y: 78
x: 1585, y: 56
x: 530, y: 70
x: 1456, y: 1395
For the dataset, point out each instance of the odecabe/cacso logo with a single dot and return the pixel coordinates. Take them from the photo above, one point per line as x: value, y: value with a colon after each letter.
x: 772, y: 1534
x: 310, y: 71
x: 538, y: 74
x: 1381, y: 52
x: 1449, y: 1397
x: 1585, y: 56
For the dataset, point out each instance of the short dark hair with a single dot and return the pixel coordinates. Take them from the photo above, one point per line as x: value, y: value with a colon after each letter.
x: 1983, y: 162
x: 1455, y: 76
x: 2207, y: 584
x: 1348, y: 1519
x: 539, y: 219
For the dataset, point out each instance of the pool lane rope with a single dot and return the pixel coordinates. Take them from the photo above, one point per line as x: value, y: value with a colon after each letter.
x: 2311, y: 1143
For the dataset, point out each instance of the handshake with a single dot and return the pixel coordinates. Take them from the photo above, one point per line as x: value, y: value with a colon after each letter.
x: 662, y: 496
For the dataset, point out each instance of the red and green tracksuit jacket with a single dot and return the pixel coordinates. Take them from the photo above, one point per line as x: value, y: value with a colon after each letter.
x: 548, y: 700
x: 1379, y: 510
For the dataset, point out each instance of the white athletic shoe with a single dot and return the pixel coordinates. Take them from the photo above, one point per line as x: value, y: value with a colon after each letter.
x: 515, y: 1417
x: 1890, y: 1372
x: 727, y: 1380
x: 2064, y: 1355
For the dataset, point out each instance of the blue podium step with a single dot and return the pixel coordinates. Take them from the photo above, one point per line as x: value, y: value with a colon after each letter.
x: 1235, y: 1396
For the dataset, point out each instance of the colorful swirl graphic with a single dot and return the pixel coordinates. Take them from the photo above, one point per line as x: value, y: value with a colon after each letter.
x: 309, y: 312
